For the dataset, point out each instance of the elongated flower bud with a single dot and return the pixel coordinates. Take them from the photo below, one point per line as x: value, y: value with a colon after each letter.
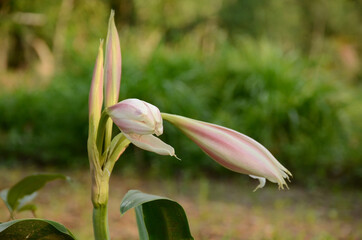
x: 112, y: 72
x: 96, y: 92
x: 113, y: 64
x: 232, y: 149
x: 138, y: 120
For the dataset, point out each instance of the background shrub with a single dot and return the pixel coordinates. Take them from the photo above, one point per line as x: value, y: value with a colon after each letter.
x: 285, y: 74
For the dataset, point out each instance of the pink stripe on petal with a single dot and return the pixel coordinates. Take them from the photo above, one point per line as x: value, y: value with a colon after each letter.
x: 232, y: 153
x: 132, y: 126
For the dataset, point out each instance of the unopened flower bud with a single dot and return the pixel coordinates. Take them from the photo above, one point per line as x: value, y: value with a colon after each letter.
x: 233, y: 150
x: 138, y: 120
x: 136, y: 116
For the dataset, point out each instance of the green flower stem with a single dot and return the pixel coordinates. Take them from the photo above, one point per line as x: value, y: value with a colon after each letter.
x: 100, y: 222
x: 103, y: 156
x: 116, y: 149
x: 102, y: 128
x: 108, y: 133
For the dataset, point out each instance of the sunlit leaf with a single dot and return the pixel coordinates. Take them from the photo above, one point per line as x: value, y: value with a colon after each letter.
x: 4, y: 197
x: 158, y: 218
x: 25, y: 200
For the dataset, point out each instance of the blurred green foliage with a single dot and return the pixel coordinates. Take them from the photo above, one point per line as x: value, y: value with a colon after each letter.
x: 286, y: 73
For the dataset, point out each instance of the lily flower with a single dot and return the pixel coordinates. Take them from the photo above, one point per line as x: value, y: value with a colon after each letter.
x: 232, y: 150
x: 138, y: 121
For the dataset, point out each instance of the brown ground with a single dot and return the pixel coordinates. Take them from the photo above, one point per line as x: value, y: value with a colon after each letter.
x: 215, y: 209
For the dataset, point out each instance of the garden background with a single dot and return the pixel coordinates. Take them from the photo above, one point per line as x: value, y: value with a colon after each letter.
x: 287, y: 73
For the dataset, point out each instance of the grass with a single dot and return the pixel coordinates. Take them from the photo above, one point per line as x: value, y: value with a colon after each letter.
x: 216, y: 209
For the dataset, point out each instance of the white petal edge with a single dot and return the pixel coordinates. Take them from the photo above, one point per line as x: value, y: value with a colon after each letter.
x: 261, y: 182
x: 151, y: 143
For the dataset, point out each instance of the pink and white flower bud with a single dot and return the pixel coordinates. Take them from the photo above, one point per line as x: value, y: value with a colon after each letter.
x: 112, y: 65
x: 112, y: 72
x: 233, y: 150
x: 138, y: 120
x: 136, y: 116
x: 96, y: 92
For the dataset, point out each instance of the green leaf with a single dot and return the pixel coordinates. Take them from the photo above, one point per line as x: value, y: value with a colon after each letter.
x: 4, y: 197
x: 25, y: 190
x: 25, y: 200
x: 28, y: 207
x: 34, y: 228
x: 142, y: 230
x: 158, y: 218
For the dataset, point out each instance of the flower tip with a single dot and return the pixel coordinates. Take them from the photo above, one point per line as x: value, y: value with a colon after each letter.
x: 112, y: 14
x: 282, y: 184
x: 171, y: 152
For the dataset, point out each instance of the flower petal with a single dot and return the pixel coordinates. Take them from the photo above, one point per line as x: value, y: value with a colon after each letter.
x: 157, y: 119
x: 132, y: 126
x: 151, y: 143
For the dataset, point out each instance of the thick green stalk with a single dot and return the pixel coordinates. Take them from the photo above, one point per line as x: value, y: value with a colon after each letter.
x: 100, y: 187
x: 100, y: 192
x: 100, y: 222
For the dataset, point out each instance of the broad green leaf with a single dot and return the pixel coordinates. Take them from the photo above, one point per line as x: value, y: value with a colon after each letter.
x: 158, y: 218
x: 34, y: 228
x: 25, y: 190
